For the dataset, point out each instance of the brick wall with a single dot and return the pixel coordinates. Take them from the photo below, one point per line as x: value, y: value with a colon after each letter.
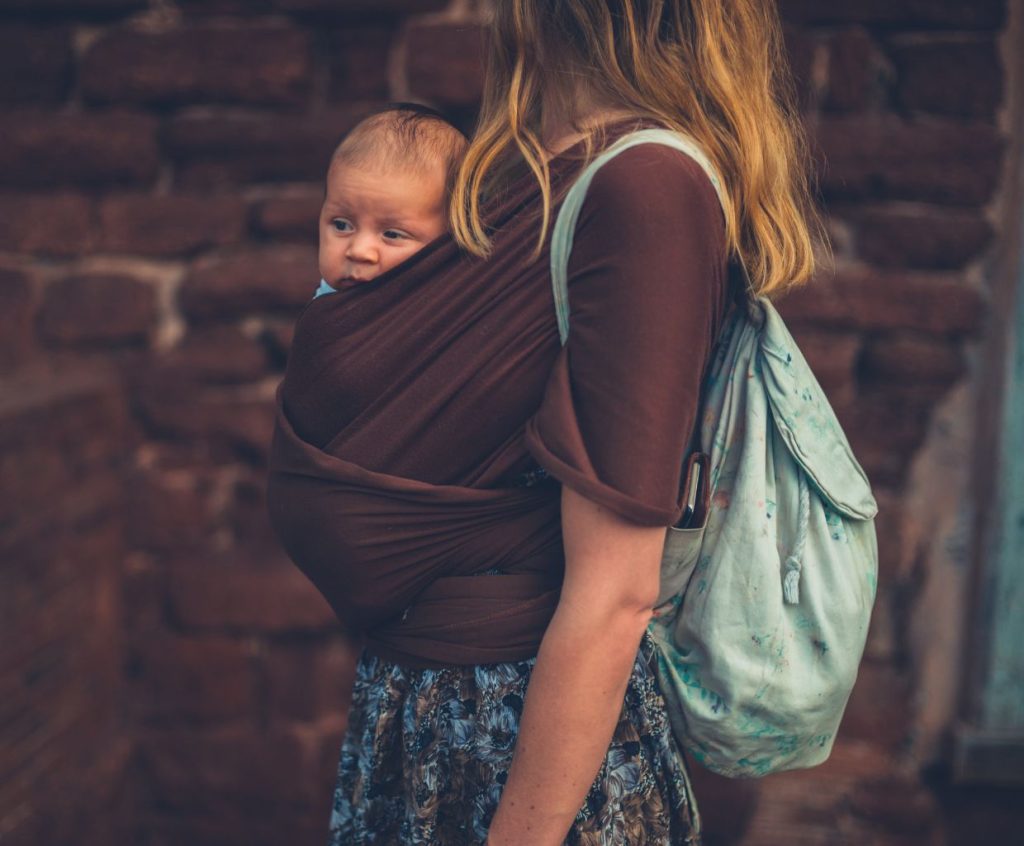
x: 160, y: 176
x: 65, y: 435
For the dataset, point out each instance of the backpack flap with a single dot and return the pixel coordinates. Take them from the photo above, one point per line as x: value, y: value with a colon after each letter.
x: 808, y: 425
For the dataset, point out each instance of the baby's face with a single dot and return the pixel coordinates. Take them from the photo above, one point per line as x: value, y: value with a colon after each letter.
x: 372, y: 220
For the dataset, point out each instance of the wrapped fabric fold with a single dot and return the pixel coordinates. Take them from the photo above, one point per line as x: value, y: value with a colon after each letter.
x: 377, y: 546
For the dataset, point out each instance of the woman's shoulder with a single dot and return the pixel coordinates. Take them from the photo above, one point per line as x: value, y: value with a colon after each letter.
x: 651, y: 178
x: 646, y: 195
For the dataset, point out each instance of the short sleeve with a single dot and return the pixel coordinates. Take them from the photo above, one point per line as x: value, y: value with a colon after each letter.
x: 647, y: 290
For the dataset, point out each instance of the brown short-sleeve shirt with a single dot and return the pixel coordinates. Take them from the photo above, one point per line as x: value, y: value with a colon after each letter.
x: 647, y: 291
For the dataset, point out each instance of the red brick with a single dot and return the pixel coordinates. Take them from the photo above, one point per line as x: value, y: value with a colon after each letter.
x: 444, y: 62
x: 35, y: 64
x: 73, y: 8
x: 28, y: 479
x: 832, y: 357
x: 57, y: 663
x: 100, y: 307
x: 246, y: 512
x: 726, y: 805
x: 801, y: 47
x: 47, y: 224
x: 65, y: 405
x: 217, y: 354
x: 926, y: 238
x: 977, y: 14
x: 896, y: 803
x: 949, y: 76
x: 914, y: 360
x: 142, y: 596
x: 63, y: 434
x: 89, y: 771
x: 895, y: 417
x: 233, y: 424
x: 859, y: 298
x: 896, y: 560
x: 228, y: 150
x: 890, y: 157
x: 206, y: 679
x: 203, y: 8
x: 307, y: 681
x: 346, y: 10
x: 855, y: 70
x: 812, y: 806
x: 176, y: 460
x: 29, y: 473
x: 245, y: 593
x: 879, y: 709
x: 199, y: 64
x: 350, y: 8
x: 227, y: 769
x: 171, y: 225
x: 257, y: 280
x: 239, y: 824
x: 883, y: 465
x: 58, y: 595
x: 883, y: 630
x: 17, y: 310
x: 850, y: 761
x: 165, y: 512
x: 43, y: 150
x: 885, y: 456
x: 278, y: 337
x: 62, y: 430
x: 290, y: 217
x: 246, y: 430
x: 359, y: 59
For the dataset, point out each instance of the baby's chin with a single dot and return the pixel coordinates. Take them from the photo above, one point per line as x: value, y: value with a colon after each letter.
x: 339, y: 281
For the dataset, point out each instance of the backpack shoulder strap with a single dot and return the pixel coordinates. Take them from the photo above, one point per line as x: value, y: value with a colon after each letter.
x: 568, y: 215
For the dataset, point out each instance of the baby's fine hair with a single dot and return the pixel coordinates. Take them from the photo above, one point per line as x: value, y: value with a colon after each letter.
x: 403, y: 136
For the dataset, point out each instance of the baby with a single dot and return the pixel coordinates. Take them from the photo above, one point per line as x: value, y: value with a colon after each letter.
x: 387, y: 193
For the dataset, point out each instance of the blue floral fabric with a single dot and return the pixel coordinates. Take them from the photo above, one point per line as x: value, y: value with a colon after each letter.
x: 427, y: 753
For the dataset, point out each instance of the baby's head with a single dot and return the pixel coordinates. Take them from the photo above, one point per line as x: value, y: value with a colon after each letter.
x: 387, y: 192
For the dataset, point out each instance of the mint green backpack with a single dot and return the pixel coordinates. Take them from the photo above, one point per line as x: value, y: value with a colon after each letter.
x: 766, y: 594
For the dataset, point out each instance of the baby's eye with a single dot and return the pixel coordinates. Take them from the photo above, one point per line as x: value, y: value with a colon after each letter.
x: 394, y: 235
x: 341, y: 225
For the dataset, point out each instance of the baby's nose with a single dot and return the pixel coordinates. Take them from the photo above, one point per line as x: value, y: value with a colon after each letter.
x: 362, y: 248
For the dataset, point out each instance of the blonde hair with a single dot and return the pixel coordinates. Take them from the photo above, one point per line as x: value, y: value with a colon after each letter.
x: 714, y: 69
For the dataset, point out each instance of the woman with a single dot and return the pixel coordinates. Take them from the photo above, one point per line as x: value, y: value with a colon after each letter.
x: 489, y: 507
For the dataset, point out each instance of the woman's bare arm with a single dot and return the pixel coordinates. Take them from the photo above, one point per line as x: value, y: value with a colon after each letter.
x: 578, y: 684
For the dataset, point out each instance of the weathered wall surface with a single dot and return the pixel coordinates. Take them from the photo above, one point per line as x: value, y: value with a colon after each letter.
x: 63, y: 743
x: 160, y: 177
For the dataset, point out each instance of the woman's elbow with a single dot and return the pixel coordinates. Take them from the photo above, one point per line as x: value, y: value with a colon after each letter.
x: 609, y: 611
x: 612, y: 566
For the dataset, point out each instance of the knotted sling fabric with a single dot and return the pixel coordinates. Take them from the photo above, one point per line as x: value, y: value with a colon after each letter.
x: 412, y: 404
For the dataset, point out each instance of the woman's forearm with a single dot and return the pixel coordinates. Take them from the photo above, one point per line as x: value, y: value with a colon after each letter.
x: 572, y: 706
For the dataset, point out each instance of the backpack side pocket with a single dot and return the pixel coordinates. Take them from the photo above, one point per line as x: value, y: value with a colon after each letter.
x: 683, y: 541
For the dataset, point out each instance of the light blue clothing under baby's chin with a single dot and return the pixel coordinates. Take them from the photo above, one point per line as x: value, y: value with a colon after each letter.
x: 324, y: 289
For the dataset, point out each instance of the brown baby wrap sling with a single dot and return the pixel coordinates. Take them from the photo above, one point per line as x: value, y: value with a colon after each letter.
x: 412, y: 404
x: 416, y: 375
x: 395, y: 557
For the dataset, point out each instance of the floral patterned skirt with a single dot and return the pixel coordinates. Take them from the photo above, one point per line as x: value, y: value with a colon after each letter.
x: 427, y: 753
